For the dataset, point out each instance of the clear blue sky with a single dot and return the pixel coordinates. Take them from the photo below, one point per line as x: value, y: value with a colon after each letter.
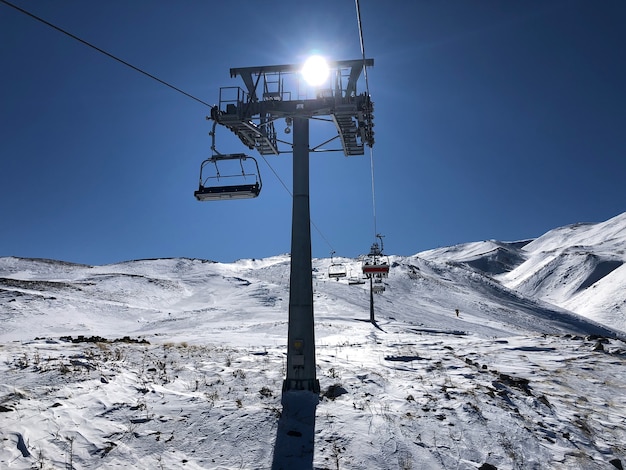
x: 494, y: 119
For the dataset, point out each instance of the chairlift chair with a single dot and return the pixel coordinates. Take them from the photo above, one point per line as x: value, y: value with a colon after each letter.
x: 212, y: 187
x: 375, y: 269
x: 337, y: 270
x: 378, y: 289
x: 374, y: 266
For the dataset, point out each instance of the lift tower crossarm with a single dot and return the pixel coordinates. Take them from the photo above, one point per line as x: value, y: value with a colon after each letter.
x: 272, y: 92
x: 246, y: 73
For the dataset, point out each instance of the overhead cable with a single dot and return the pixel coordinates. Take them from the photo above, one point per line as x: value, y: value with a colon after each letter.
x: 367, y: 87
x: 102, y: 51
x: 143, y: 72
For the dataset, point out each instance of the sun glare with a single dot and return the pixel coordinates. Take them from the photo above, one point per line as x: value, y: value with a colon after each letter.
x: 315, y: 70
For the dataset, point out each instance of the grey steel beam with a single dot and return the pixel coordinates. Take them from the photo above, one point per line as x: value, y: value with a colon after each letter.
x: 246, y: 73
x: 301, y: 372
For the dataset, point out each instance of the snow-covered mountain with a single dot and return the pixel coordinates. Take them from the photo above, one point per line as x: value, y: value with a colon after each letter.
x: 178, y: 363
x: 578, y: 267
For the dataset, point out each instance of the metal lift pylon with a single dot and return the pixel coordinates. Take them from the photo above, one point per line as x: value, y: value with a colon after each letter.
x: 277, y: 92
x: 375, y: 268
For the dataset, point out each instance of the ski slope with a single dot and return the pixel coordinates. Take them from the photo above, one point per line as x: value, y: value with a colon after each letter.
x: 178, y: 363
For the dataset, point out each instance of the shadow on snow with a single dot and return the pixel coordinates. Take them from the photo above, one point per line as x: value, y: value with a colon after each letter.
x: 295, y: 436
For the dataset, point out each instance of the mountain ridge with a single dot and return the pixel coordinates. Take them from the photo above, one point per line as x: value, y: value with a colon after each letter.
x: 502, y: 283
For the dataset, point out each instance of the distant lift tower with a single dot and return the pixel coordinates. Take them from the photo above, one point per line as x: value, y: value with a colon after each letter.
x: 375, y: 268
x: 280, y: 92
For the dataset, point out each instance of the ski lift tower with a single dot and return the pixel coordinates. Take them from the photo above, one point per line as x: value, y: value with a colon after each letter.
x: 285, y: 92
x: 375, y: 268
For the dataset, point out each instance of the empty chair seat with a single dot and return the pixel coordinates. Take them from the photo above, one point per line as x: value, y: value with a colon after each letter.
x: 245, y: 191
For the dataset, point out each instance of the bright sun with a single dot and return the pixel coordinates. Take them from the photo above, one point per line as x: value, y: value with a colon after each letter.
x: 315, y: 70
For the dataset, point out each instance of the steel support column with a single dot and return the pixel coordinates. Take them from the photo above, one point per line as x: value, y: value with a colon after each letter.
x: 301, y: 369
x: 372, y: 318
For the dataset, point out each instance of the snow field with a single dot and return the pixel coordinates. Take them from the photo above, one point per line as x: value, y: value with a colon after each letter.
x: 178, y: 363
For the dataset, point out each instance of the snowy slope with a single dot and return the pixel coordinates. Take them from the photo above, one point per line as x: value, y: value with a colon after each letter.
x: 181, y: 363
x: 490, y: 256
x: 578, y: 267
x: 145, y: 297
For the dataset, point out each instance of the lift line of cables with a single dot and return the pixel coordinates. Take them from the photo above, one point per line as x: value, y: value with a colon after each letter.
x: 137, y: 69
x: 367, y: 88
x: 149, y: 75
